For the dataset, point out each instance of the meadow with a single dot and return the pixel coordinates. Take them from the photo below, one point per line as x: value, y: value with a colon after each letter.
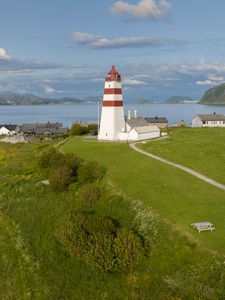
x: 155, y: 200
x: 201, y: 149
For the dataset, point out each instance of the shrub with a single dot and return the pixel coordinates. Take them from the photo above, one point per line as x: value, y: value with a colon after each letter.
x: 90, y: 194
x: 57, y: 159
x: 60, y: 178
x: 51, y: 158
x: 77, y: 129
x: 71, y: 234
x: 92, y: 127
x: 45, y: 158
x: 97, y: 241
x: 91, y: 172
x: 73, y: 163
x: 128, y: 249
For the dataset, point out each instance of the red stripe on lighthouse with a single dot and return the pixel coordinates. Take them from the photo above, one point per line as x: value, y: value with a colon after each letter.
x: 112, y: 103
x: 116, y: 91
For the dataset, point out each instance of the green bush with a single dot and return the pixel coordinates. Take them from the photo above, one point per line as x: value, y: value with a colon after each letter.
x: 45, y: 158
x: 90, y: 194
x: 77, y: 129
x: 128, y: 249
x: 60, y: 178
x: 73, y: 163
x: 92, y: 127
x: 91, y: 172
x: 98, y: 241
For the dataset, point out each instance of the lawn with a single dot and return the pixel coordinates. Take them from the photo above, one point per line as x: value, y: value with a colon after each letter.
x: 201, y: 149
x: 34, y: 265
x: 179, y: 197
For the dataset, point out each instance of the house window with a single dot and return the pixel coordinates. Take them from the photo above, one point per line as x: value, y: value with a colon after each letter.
x: 204, y: 122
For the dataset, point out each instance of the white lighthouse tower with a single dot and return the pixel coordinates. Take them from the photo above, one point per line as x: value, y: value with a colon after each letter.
x: 112, y: 117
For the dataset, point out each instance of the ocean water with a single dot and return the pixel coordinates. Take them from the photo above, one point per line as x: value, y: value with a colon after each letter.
x: 67, y: 114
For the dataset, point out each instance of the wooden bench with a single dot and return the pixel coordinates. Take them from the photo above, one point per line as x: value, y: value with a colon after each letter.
x: 203, y: 226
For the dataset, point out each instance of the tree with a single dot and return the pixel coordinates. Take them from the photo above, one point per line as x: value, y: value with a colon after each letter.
x: 77, y: 129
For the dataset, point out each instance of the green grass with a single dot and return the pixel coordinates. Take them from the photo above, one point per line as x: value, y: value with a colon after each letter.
x: 175, y: 195
x: 201, y: 149
x: 34, y: 265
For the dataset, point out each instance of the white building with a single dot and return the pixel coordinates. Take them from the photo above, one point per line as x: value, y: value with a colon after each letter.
x: 209, y: 120
x: 113, y: 125
x: 8, y: 129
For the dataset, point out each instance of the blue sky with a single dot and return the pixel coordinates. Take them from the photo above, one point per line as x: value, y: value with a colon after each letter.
x: 54, y: 48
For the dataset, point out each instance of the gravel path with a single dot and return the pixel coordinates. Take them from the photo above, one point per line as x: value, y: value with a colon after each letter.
x: 185, y: 169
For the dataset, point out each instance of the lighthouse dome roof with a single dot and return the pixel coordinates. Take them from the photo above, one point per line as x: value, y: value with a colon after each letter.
x: 113, y: 75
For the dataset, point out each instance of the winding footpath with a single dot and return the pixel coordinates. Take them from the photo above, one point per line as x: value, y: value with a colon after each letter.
x: 178, y: 166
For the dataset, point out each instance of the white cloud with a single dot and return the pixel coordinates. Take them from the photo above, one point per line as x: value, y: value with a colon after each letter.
x: 205, y: 82
x: 130, y: 81
x: 104, y: 43
x: 144, y: 9
x: 4, y: 55
x: 83, y: 37
x: 216, y: 78
x: 48, y: 89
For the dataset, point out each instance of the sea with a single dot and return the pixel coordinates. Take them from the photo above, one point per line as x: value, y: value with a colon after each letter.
x: 68, y: 114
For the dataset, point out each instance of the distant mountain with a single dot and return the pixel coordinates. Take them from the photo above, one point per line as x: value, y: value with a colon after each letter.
x: 146, y: 101
x: 215, y: 95
x: 179, y: 99
x: 17, y: 99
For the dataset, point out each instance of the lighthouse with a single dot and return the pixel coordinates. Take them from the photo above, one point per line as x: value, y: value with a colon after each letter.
x: 112, y: 116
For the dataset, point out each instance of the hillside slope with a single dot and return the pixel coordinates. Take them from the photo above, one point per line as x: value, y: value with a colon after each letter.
x: 215, y: 95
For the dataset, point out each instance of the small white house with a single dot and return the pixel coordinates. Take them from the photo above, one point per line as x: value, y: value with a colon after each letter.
x: 8, y: 129
x: 144, y: 133
x: 209, y: 120
x: 137, y: 128
x: 4, y: 131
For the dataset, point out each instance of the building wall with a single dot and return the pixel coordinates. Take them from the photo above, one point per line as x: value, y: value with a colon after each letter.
x: 4, y: 131
x: 160, y: 125
x: 134, y: 136
x: 112, y: 123
x: 196, y: 122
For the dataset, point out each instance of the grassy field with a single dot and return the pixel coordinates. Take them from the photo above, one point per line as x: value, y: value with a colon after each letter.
x: 201, y: 149
x: 34, y: 265
x: 179, y: 197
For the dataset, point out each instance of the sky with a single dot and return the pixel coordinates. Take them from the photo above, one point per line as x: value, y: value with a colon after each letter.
x: 161, y: 48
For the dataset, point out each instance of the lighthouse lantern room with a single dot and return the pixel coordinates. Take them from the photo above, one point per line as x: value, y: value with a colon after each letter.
x: 112, y: 117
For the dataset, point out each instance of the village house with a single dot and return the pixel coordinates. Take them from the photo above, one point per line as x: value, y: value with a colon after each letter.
x: 43, y: 129
x: 137, y: 128
x: 209, y: 120
x: 8, y: 129
x: 160, y: 122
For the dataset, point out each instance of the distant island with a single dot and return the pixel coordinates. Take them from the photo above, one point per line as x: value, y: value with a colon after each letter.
x: 17, y: 99
x: 146, y: 101
x: 215, y: 95
x: 180, y: 100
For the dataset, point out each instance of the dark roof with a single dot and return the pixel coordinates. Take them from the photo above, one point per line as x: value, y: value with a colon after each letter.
x: 212, y: 117
x: 136, y: 122
x: 47, y: 130
x: 9, y: 127
x: 32, y: 126
x: 157, y: 120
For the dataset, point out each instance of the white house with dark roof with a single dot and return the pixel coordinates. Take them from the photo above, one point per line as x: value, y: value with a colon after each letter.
x: 160, y: 122
x: 208, y: 120
x: 137, y: 128
x: 8, y: 129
